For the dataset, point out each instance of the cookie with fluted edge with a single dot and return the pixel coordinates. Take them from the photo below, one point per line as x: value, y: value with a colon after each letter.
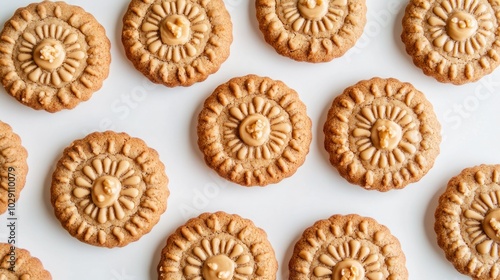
x: 218, y: 246
x: 109, y: 189
x: 347, y: 247
x: 382, y: 134
x: 53, y: 56
x: 254, y: 131
x: 13, y: 166
x: 177, y: 42
x: 453, y: 41
x: 24, y: 265
x: 311, y: 30
x: 467, y: 222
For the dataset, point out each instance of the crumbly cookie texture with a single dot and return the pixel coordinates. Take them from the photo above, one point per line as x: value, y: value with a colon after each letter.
x: 347, y: 247
x: 26, y: 266
x: 13, y: 166
x: 453, y: 41
x: 468, y: 222
x: 218, y: 246
x: 254, y: 131
x: 311, y: 30
x: 109, y: 189
x: 382, y: 134
x: 53, y: 56
x: 177, y: 42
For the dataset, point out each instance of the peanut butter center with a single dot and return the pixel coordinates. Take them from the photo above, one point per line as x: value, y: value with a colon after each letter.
x: 461, y: 26
x: 313, y: 9
x: 348, y: 270
x: 386, y: 134
x: 218, y: 267
x: 49, y: 54
x: 491, y: 225
x: 254, y: 130
x: 105, y: 191
x: 175, y: 30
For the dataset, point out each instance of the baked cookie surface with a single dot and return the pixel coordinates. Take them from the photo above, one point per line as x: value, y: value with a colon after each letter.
x: 468, y: 222
x: 177, y: 42
x: 254, y: 131
x: 218, y: 246
x: 382, y: 134
x: 311, y: 30
x: 13, y: 166
x: 347, y: 247
x: 26, y: 266
x: 109, y: 189
x: 53, y: 56
x: 453, y: 41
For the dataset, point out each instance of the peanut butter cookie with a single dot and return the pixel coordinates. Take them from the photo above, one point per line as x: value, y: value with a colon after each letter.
x: 453, y: 41
x: 254, y: 131
x: 382, y: 134
x: 177, y: 42
x: 13, y: 166
x: 311, y: 30
x: 347, y: 247
x: 109, y: 189
x: 53, y: 56
x: 218, y: 246
x: 17, y: 263
x: 468, y: 222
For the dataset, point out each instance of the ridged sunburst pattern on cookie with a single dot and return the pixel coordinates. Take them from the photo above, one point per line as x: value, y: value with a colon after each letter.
x: 53, y: 56
x: 347, y: 247
x: 382, y: 134
x: 26, y: 266
x: 109, y: 189
x: 218, y: 246
x: 468, y: 222
x: 254, y: 131
x: 453, y: 41
x: 177, y: 42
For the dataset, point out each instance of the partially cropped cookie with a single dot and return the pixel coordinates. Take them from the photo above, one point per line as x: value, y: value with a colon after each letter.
x: 453, y: 41
x: 347, y: 247
x: 311, y: 30
x: 218, y: 246
x: 17, y: 263
x: 13, y: 166
x: 468, y: 222
x: 254, y: 131
x: 177, y: 42
x: 382, y: 134
x: 53, y: 56
x: 109, y: 189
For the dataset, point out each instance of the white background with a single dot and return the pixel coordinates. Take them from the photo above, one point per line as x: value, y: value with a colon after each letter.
x: 166, y: 119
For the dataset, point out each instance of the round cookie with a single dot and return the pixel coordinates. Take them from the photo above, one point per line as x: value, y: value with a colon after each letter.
x: 347, y: 247
x: 13, y: 166
x: 382, y: 134
x: 26, y: 266
x: 468, y: 222
x: 254, y: 131
x: 53, y: 56
x: 109, y: 189
x: 218, y: 246
x: 177, y: 42
x: 311, y: 30
x: 453, y: 41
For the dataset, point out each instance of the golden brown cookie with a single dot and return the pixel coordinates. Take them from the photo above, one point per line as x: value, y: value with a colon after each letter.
x: 13, y: 167
x: 468, y: 222
x: 109, y: 189
x: 311, y: 30
x: 347, y: 248
x: 218, y: 246
x: 382, y: 134
x: 254, y: 131
x: 53, y: 56
x: 453, y: 41
x: 17, y: 263
x: 177, y: 42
